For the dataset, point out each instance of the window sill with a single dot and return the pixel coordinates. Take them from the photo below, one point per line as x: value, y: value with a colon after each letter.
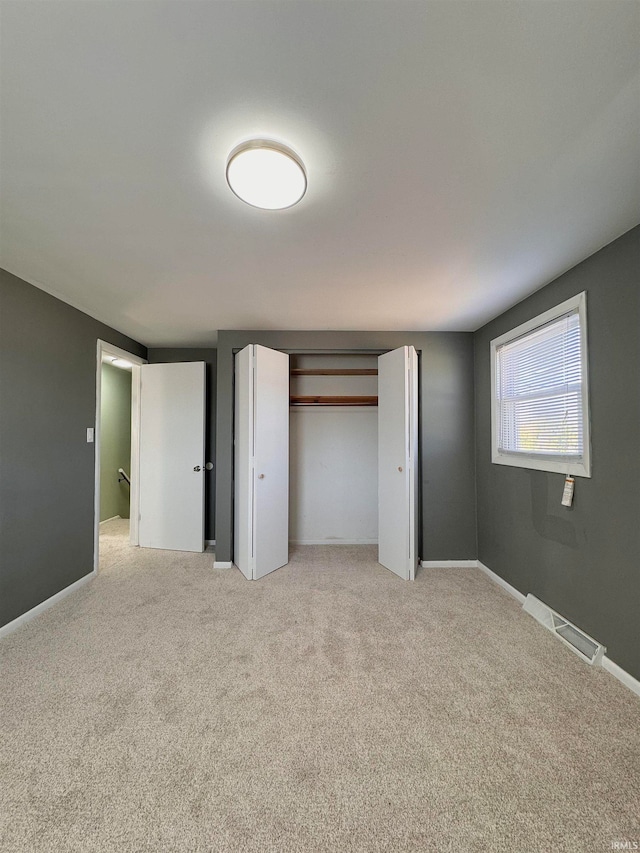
x: 577, y: 468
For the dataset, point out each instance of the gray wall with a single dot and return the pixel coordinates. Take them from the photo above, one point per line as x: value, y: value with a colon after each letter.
x: 47, y: 401
x: 157, y: 355
x: 447, y: 463
x: 115, y: 441
x: 583, y: 561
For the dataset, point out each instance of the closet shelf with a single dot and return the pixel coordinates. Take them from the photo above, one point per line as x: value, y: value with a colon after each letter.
x: 334, y: 371
x: 333, y: 401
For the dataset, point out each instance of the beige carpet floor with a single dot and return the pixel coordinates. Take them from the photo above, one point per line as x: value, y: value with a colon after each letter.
x: 168, y: 706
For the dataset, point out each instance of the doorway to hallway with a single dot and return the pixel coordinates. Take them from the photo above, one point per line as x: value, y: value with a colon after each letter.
x: 117, y: 451
x: 115, y: 445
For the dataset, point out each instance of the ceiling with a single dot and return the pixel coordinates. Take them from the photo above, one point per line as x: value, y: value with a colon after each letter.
x: 460, y: 155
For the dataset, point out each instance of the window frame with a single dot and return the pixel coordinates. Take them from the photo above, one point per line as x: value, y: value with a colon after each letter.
x: 580, y: 466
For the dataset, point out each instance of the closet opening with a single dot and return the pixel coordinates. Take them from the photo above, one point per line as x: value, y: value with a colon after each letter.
x: 333, y: 449
x: 316, y: 461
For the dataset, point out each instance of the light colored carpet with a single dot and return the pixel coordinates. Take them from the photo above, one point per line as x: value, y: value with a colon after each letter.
x: 168, y: 706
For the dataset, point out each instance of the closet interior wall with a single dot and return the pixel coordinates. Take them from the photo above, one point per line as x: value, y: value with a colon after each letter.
x: 333, y: 492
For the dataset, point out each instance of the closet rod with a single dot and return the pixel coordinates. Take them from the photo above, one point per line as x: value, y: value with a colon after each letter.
x: 333, y: 371
x: 333, y: 401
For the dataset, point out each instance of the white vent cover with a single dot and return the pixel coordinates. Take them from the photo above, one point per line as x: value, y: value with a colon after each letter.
x: 579, y: 642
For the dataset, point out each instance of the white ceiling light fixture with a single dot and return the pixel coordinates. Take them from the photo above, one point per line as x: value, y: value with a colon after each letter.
x: 266, y: 174
x: 121, y: 362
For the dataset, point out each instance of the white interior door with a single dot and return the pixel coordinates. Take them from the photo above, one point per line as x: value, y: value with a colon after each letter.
x: 261, y: 511
x: 243, y: 462
x: 172, y: 417
x: 398, y: 461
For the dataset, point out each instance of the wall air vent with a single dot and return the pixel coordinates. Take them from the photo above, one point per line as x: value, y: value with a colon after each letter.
x: 579, y: 642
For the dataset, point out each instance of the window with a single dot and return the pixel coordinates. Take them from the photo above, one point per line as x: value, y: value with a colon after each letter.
x: 540, y: 410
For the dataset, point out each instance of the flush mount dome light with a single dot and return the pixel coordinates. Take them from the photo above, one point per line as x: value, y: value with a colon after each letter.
x: 266, y: 174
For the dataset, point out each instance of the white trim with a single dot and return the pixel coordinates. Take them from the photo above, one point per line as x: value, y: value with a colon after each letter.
x: 107, y: 348
x: 209, y: 542
x: 555, y: 622
x: 103, y: 347
x: 570, y: 467
x: 622, y: 675
x: 45, y: 605
x: 222, y: 565
x: 612, y: 668
x: 578, y: 467
x: 502, y: 582
x: 449, y: 564
x: 113, y: 518
x: 134, y: 485
x: 333, y: 541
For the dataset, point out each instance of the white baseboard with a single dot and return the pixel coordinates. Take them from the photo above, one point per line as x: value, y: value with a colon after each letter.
x: 449, y: 564
x: 209, y: 542
x: 502, y: 582
x: 45, y: 605
x: 333, y: 541
x: 622, y: 675
x: 222, y: 565
x: 113, y: 518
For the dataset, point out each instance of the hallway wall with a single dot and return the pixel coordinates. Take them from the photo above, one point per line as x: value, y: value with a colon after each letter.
x: 115, y: 441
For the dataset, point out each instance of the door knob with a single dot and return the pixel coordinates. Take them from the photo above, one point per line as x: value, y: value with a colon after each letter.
x: 197, y: 468
x: 399, y: 467
x: 261, y: 476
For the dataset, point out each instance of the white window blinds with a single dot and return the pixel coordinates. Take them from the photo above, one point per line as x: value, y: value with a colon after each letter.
x: 539, y: 391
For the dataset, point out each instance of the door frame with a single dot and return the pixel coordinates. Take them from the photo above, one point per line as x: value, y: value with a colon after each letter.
x: 105, y: 348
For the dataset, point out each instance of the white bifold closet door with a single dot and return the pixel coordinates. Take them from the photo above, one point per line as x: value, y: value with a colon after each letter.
x: 398, y: 461
x: 261, y: 477
x: 172, y: 411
